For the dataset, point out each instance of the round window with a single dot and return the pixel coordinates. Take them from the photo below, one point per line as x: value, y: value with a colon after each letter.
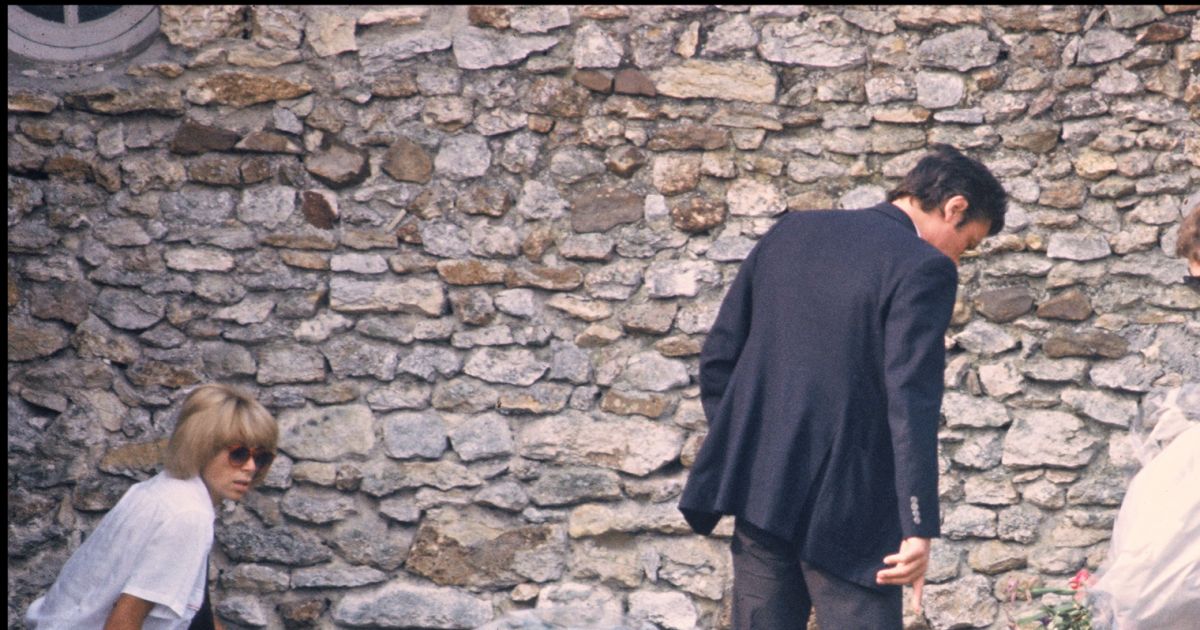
x: 78, y: 32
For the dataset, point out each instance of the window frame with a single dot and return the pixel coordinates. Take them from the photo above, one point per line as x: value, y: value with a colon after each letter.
x: 121, y: 31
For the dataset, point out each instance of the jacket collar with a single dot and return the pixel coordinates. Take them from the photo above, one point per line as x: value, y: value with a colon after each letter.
x: 891, y: 211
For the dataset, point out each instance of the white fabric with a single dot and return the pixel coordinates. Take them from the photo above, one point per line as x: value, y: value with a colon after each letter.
x: 153, y: 544
x: 1151, y: 578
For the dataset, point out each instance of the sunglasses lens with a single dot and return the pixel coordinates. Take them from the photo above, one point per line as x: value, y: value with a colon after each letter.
x: 262, y: 459
x: 239, y: 455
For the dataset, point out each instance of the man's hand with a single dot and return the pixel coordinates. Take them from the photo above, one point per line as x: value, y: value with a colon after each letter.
x: 908, y: 567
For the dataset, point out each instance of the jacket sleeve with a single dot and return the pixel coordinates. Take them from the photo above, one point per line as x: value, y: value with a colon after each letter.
x: 727, y: 336
x: 914, y: 362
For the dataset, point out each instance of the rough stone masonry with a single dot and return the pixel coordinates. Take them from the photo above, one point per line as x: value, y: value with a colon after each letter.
x: 468, y: 256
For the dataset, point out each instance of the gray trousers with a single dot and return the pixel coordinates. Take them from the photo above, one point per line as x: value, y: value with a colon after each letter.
x: 774, y: 590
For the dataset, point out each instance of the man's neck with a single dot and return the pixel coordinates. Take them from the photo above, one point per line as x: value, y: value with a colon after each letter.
x: 909, y: 206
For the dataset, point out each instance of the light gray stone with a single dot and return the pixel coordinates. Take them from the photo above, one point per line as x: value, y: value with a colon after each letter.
x: 327, y: 433
x: 962, y: 50
x: 1048, y: 438
x: 316, y: 505
x: 966, y: 602
x: 666, y: 609
x: 1130, y: 374
x: 540, y: 200
x: 630, y: 445
x: 679, y: 278
x: 939, y: 90
x: 595, y: 48
x: 413, y: 434
x: 514, y: 367
x: 481, y: 437
x: 651, y: 371
x: 403, y: 603
x: 410, y: 296
x: 1102, y: 45
x: 1103, y: 407
x: 749, y: 197
x: 985, y: 338
x: 815, y: 43
x: 463, y: 157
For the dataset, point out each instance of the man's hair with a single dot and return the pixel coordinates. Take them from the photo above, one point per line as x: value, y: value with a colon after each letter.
x: 1188, y: 244
x: 944, y: 173
x: 213, y: 417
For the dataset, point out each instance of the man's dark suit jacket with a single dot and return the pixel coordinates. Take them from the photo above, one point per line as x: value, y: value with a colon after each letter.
x: 822, y: 383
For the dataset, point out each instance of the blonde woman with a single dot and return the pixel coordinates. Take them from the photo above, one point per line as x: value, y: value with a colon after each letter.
x: 145, y: 565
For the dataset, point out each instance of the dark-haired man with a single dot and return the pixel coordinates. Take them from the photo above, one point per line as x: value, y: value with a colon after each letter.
x: 822, y: 383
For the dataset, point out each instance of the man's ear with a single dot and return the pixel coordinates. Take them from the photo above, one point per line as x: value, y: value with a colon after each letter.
x: 954, y: 210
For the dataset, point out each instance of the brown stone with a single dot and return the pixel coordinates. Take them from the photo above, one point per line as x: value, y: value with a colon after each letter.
x: 1004, y: 305
x: 471, y: 272
x: 367, y: 239
x: 411, y: 262
x: 43, y: 132
x: 400, y: 85
x: 319, y: 208
x: 557, y: 97
x: 133, y: 460
x: 988, y: 79
x: 624, y: 160
x: 697, y: 214
x: 1036, y: 136
x: 338, y: 164
x: 902, y: 115
x: 928, y: 16
x: 215, y: 170
x: 629, y: 403
x: 594, y: 80
x: 601, y: 209
x: 14, y: 290
x: 630, y: 81
x: 256, y: 169
x: 678, y: 346
x: 95, y: 339
x: 241, y: 89
x: 407, y: 161
x: 1063, y: 193
x: 308, y: 240
x: 110, y: 100
x: 548, y: 278
x: 69, y: 167
x: 1085, y: 344
x: 29, y: 339
x: 688, y: 136
x: 651, y: 318
x: 473, y: 547
x: 67, y: 301
x: 31, y: 102
x: 1162, y: 32
x: 489, y: 16
x: 193, y: 138
x: 1071, y: 305
x: 536, y: 243
x: 304, y: 613
x: 269, y: 142
x: 492, y: 201
x: 1061, y: 19
x: 304, y: 260
x: 540, y: 124
x: 149, y: 372
x: 604, y: 11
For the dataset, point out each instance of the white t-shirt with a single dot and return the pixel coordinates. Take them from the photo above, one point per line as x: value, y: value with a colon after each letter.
x: 153, y: 544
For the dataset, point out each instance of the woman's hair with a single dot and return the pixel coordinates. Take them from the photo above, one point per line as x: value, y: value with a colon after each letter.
x: 213, y: 417
x: 1188, y: 245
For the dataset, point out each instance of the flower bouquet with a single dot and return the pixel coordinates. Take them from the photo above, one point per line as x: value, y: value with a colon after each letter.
x: 1059, y: 613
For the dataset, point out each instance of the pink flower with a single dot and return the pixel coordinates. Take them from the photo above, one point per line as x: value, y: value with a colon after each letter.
x: 1080, y: 580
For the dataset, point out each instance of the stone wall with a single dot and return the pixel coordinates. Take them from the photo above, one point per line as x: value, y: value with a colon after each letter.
x: 468, y: 256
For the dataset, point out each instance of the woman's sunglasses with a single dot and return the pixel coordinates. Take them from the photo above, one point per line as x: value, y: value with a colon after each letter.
x: 240, y: 454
